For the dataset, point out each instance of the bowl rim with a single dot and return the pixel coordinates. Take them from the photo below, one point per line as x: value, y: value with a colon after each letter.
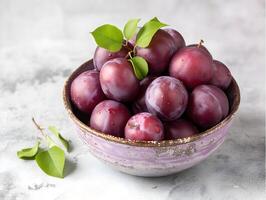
x: 162, y: 143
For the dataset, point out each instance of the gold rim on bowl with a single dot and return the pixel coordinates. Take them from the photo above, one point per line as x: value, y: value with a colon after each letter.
x: 88, y: 65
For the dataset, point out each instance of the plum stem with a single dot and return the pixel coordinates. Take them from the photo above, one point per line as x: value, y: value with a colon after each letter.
x: 134, y: 49
x: 126, y: 43
x: 200, y: 43
x: 129, y: 54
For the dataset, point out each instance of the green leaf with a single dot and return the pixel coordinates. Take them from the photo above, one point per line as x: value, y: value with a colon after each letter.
x: 109, y: 37
x: 55, y: 131
x: 49, y: 141
x: 29, y: 153
x: 140, y: 67
x: 155, y: 19
x: 130, y: 28
x: 52, y: 161
x: 146, y: 33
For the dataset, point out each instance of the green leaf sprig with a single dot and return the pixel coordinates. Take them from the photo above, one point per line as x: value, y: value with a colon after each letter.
x: 113, y: 39
x: 52, y: 159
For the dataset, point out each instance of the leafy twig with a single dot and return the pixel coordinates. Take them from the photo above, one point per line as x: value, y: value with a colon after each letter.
x: 51, y: 160
x: 38, y: 127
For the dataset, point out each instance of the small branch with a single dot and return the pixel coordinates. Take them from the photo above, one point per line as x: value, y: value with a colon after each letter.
x: 129, y: 54
x: 134, y: 50
x: 50, y: 142
x: 125, y: 45
x: 38, y: 127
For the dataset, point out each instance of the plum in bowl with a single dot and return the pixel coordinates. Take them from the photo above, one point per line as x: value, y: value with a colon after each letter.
x: 150, y: 158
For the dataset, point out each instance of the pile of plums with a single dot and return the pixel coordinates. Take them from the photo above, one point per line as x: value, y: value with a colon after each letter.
x: 182, y: 95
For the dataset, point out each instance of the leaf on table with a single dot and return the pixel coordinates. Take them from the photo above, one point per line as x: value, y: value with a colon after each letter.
x: 52, y: 161
x: 50, y: 141
x: 29, y: 153
x: 56, y: 132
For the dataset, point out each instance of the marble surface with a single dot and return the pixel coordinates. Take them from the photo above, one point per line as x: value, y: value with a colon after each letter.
x: 41, y: 42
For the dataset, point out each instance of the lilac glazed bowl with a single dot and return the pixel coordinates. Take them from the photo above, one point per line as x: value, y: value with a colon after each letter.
x: 150, y: 158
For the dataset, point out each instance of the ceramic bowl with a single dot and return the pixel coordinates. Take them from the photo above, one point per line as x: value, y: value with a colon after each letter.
x: 150, y: 158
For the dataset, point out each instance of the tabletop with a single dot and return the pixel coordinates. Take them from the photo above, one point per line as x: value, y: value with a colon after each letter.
x: 42, y: 42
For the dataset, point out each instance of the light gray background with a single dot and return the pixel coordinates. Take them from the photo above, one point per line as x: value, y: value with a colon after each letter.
x: 41, y: 42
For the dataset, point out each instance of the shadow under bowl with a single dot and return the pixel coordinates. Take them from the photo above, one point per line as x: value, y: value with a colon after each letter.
x: 150, y: 158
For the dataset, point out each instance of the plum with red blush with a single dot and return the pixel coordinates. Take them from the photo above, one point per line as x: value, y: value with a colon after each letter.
x: 118, y: 80
x: 86, y: 91
x: 178, y: 129
x: 110, y: 117
x: 207, y: 106
x: 166, y: 97
x: 101, y: 55
x: 158, y: 53
x: 145, y: 127
x: 139, y: 104
x: 178, y: 39
x: 193, y: 66
x: 222, y: 76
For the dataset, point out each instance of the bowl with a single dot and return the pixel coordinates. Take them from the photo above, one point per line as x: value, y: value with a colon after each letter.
x: 150, y: 158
